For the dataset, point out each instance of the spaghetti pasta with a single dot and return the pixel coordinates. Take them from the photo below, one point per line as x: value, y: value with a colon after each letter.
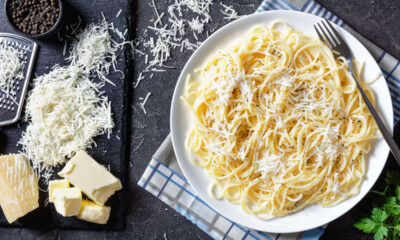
x: 279, y: 123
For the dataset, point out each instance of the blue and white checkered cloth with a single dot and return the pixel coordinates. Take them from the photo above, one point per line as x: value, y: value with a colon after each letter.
x: 164, y: 179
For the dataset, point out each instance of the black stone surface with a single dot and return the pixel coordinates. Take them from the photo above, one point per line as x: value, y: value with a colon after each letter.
x: 113, y: 155
x: 149, y: 218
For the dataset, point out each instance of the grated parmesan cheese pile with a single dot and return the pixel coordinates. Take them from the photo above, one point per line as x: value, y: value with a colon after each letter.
x: 66, y: 109
x: 95, y: 51
x: 11, y: 68
x: 173, y: 29
x: 65, y: 113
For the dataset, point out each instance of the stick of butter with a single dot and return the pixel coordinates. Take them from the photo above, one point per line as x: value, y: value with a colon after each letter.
x: 19, y: 192
x: 91, y: 177
x: 56, y: 184
x: 93, y: 212
x: 67, y: 201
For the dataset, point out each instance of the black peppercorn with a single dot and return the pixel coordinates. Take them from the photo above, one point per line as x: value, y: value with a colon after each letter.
x: 33, y: 16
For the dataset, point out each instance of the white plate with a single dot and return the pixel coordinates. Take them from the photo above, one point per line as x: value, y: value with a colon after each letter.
x: 312, y: 216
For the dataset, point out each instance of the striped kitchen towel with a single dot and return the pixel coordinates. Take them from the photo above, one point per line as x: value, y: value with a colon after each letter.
x: 164, y: 179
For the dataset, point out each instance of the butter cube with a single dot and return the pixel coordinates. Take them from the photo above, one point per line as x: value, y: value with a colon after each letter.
x: 67, y: 201
x: 95, y: 213
x: 56, y: 184
x: 91, y: 177
x: 19, y: 191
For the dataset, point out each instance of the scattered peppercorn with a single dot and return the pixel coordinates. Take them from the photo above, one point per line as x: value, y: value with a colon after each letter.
x: 33, y: 16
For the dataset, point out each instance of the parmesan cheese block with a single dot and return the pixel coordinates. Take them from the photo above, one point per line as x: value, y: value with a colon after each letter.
x: 91, y: 177
x: 56, y: 184
x: 19, y: 192
x: 67, y: 201
x: 95, y: 213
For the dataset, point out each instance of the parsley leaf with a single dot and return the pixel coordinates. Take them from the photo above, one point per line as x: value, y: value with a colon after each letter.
x: 378, y: 215
x: 394, y: 210
x: 384, y: 220
x: 381, y: 232
x: 366, y: 225
x: 391, y: 201
x: 391, y: 206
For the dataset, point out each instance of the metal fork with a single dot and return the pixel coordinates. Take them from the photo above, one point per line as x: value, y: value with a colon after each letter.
x: 328, y: 34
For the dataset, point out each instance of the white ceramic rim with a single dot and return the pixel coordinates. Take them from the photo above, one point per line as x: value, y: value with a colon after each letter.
x: 312, y: 216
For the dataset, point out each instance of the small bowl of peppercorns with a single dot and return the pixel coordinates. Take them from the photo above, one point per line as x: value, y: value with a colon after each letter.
x: 35, y: 18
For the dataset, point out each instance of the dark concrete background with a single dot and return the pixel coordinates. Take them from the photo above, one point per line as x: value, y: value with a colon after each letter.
x: 149, y: 218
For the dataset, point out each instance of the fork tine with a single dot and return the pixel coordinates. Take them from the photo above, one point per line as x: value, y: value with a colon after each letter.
x: 331, y: 34
x: 337, y: 35
x: 320, y: 35
x: 331, y: 42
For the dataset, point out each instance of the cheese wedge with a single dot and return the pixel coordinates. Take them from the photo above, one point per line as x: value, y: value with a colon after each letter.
x: 92, y: 178
x: 56, y: 184
x: 67, y: 201
x: 95, y: 213
x: 19, y: 192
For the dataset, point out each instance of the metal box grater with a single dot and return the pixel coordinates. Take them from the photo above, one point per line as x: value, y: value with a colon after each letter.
x: 10, y: 110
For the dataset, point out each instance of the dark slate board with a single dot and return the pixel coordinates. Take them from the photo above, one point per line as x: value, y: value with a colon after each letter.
x: 112, y: 152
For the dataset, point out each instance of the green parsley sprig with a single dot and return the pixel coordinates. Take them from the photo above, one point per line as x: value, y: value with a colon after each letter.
x: 384, y: 221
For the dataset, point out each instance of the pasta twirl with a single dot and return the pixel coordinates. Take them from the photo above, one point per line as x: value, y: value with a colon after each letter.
x: 279, y: 123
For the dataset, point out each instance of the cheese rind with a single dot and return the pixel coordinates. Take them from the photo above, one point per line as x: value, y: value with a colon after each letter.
x: 19, y: 192
x: 56, y: 184
x: 95, y: 213
x: 67, y: 201
x: 91, y: 177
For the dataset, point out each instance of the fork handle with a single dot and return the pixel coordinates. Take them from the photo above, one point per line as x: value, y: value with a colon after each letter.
x: 382, y: 127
